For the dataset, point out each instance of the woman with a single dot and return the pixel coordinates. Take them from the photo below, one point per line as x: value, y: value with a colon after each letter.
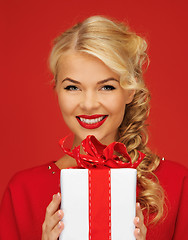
x: 98, y: 75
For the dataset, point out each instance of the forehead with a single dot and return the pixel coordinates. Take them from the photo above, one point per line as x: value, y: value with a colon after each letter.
x: 81, y: 65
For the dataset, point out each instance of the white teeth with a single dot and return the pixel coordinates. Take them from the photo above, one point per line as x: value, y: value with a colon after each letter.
x: 91, y: 121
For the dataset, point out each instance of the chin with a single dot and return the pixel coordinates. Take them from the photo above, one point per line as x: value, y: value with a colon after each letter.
x: 104, y: 137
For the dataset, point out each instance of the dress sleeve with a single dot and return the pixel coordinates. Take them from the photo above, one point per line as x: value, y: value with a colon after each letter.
x: 181, y: 227
x: 8, y: 225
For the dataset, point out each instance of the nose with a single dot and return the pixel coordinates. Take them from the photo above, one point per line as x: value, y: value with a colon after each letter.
x: 89, y: 101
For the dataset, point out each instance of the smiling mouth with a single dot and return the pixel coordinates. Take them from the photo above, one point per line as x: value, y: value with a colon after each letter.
x: 91, y: 122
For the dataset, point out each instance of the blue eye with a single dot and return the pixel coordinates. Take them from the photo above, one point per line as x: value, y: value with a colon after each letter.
x: 108, y: 88
x: 71, y: 88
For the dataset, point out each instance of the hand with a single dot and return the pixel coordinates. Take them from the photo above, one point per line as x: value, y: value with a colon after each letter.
x: 53, y: 225
x: 140, y: 230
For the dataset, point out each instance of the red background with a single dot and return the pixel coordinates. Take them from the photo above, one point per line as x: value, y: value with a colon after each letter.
x: 31, y: 122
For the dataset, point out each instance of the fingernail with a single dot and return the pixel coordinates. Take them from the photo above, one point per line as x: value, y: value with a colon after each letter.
x: 56, y: 195
x: 138, y: 204
x: 59, y: 213
x: 137, y: 220
x: 138, y: 230
x: 59, y: 224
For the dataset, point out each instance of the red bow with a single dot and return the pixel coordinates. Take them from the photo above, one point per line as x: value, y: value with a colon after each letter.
x: 101, y: 156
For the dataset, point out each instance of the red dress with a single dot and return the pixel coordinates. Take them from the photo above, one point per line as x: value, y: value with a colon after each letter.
x: 29, y: 192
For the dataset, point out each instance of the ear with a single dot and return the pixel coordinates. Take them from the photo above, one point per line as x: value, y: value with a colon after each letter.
x: 130, y: 96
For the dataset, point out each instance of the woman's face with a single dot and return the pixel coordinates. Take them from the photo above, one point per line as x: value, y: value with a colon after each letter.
x: 90, y: 97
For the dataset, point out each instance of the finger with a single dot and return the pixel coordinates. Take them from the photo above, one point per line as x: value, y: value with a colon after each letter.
x: 53, y: 220
x: 137, y: 231
x: 140, y: 225
x: 56, y: 231
x: 137, y: 222
x: 54, y: 234
x: 54, y: 205
x: 137, y: 234
x: 141, y: 230
x: 139, y: 213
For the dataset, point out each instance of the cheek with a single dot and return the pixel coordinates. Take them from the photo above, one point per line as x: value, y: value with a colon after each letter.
x: 64, y: 104
x: 117, y: 110
x: 116, y: 105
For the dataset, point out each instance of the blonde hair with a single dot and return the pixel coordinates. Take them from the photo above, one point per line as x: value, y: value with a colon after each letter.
x: 124, y: 52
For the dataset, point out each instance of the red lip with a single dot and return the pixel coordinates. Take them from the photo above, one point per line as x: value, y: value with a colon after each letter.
x: 93, y: 125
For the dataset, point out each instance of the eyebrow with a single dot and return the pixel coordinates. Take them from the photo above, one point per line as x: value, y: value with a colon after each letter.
x: 100, y: 82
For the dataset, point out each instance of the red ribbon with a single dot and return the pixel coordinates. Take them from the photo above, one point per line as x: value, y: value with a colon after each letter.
x: 101, y: 156
x: 99, y: 204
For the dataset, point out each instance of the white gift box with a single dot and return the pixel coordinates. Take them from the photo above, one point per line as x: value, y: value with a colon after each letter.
x: 98, y: 204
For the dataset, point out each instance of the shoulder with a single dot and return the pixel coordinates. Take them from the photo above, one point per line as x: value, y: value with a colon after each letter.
x: 33, y: 176
x: 172, y: 176
x: 31, y: 172
x: 170, y: 168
